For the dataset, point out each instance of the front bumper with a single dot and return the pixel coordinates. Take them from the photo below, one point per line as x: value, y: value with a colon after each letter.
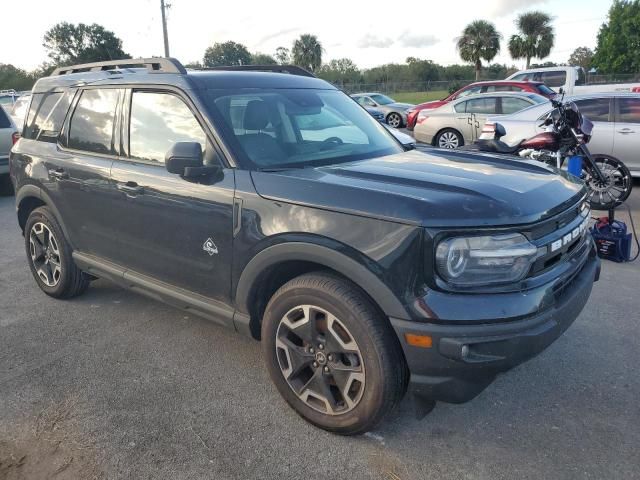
x: 464, y: 359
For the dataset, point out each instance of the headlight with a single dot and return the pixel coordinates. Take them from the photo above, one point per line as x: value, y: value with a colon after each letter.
x: 472, y: 261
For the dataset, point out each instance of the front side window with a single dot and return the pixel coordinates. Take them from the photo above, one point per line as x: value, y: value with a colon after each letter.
x: 554, y: 79
x: 513, y: 105
x: 93, y: 121
x: 468, y: 91
x: 629, y: 110
x: 158, y: 120
x: 275, y: 128
x: 595, y: 109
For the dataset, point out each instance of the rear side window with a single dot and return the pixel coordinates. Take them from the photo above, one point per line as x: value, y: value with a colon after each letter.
x: 158, y: 120
x: 629, y: 110
x: 555, y: 78
x: 595, y: 109
x: 544, y: 90
x: 481, y: 105
x: 503, y: 88
x: 46, y: 116
x: 93, y: 121
x: 4, y: 119
x: 513, y: 105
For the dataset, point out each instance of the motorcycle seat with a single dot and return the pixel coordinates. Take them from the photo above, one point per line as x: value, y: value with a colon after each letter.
x: 496, y: 146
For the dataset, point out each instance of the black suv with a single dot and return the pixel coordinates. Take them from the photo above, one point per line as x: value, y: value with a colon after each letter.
x: 272, y: 203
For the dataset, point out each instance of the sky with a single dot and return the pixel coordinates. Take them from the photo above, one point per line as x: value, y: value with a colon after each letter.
x: 370, y: 33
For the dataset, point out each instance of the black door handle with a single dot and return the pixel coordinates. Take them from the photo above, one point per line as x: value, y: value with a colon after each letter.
x: 58, y: 174
x: 131, y: 188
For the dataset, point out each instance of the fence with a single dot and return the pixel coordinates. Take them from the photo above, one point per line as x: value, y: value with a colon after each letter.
x: 593, y: 78
x: 399, y: 87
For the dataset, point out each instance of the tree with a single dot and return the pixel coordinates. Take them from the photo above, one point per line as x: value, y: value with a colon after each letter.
x: 535, y: 39
x: 69, y: 44
x: 307, y: 52
x: 227, y: 53
x: 422, y: 70
x: 15, y: 78
x: 479, y: 41
x: 581, y: 57
x: 341, y: 70
x: 618, y: 49
x: 262, y: 59
x: 283, y: 56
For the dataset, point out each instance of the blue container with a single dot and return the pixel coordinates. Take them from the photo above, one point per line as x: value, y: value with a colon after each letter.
x: 574, y: 166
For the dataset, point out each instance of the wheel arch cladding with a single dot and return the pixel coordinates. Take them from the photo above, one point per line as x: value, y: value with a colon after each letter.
x: 30, y: 197
x: 275, y: 265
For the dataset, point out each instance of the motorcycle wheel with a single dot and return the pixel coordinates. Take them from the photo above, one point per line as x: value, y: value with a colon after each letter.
x: 617, y: 187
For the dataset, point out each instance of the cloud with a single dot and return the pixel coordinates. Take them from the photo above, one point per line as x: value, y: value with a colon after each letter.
x: 373, y: 41
x: 277, y: 34
x: 409, y: 40
x: 503, y: 8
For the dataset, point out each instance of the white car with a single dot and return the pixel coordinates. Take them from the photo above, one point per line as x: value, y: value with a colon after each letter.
x: 460, y: 122
x: 616, y: 119
x: 8, y: 136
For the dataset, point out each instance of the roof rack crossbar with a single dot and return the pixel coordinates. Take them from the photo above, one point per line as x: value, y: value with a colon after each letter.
x: 291, y: 69
x: 154, y: 65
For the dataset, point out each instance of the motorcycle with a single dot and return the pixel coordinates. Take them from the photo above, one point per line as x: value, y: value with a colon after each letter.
x: 568, y: 132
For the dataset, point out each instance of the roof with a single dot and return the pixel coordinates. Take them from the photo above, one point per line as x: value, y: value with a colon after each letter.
x: 500, y: 94
x: 171, y: 72
x: 507, y: 82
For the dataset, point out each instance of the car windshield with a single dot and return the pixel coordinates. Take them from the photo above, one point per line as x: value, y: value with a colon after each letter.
x: 381, y: 99
x: 544, y: 90
x: 287, y: 128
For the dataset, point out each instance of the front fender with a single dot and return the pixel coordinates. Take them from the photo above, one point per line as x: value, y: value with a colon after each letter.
x: 322, y: 255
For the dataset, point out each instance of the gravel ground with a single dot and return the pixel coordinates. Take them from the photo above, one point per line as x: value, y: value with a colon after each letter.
x: 113, y: 385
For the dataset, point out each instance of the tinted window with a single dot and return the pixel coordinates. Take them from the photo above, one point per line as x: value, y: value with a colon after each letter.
x: 554, y: 79
x: 158, y: 120
x: 503, y: 88
x: 46, y: 116
x: 523, y: 77
x: 513, y: 105
x: 4, y: 119
x: 595, y: 109
x: 629, y: 110
x: 544, y: 90
x: 93, y: 121
x: 481, y: 105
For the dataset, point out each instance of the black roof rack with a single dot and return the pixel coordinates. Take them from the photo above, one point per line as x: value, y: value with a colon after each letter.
x: 291, y: 69
x: 154, y: 65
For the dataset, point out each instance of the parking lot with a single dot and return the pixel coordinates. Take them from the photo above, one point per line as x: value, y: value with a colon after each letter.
x: 113, y: 385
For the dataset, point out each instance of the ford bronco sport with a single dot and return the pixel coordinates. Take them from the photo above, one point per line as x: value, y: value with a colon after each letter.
x: 272, y: 203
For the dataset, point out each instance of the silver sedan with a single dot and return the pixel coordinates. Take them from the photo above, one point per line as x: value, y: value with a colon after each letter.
x: 616, y: 119
x: 395, y: 113
x: 460, y: 122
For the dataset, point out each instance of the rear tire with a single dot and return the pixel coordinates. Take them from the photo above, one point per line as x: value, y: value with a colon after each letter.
x: 449, y: 138
x: 49, y: 256
x: 6, y: 187
x: 333, y: 357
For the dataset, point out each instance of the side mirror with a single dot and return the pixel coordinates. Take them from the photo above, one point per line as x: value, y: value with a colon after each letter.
x: 185, y: 159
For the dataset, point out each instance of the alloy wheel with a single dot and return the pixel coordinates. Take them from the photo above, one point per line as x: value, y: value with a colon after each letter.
x: 394, y: 120
x: 45, y: 254
x: 320, y: 360
x: 615, y: 187
x: 448, y: 140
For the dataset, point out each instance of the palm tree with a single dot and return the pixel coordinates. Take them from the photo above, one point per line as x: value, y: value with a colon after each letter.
x: 479, y: 41
x: 307, y: 52
x: 535, y: 39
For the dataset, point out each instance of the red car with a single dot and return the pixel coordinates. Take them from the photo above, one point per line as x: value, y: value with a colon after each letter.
x: 480, y: 87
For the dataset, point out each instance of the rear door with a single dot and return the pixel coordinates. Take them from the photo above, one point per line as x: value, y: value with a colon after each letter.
x: 600, y: 112
x: 175, y: 230
x: 626, y: 138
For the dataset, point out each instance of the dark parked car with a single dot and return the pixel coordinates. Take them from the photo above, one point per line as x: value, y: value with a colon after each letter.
x: 269, y: 202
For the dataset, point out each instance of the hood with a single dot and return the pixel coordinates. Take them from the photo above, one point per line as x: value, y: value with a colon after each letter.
x: 437, y: 189
x: 399, y: 106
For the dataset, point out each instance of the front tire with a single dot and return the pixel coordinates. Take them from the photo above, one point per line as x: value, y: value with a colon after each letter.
x: 394, y: 120
x: 49, y: 257
x: 331, y: 355
x: 618, y: 185
x: 449, y: 139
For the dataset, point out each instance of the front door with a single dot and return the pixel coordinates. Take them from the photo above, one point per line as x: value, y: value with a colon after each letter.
x: 600, y: 112
x: 177, y: 231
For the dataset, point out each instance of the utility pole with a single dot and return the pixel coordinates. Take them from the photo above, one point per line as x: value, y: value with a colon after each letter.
x: 163, y: 8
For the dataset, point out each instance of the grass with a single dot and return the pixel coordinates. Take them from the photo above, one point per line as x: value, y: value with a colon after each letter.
x: 419, y: 97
